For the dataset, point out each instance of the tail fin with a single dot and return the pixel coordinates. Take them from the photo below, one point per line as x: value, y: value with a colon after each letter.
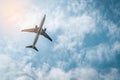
x: 31, y: 46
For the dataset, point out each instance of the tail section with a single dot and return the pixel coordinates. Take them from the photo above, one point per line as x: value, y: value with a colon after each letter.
x: 31, y: 46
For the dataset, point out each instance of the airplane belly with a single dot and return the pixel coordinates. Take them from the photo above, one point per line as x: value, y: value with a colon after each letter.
x: 36, y: 38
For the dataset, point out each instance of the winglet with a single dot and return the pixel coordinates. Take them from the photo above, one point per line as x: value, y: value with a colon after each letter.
x: 31, y: 46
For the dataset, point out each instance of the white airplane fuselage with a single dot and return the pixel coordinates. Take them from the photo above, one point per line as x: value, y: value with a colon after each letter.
x: 39, y: 30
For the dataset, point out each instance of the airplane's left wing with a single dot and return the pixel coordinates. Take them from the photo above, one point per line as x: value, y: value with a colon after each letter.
x: 28, y: 30
x: 46, y: 35
x: 31, y: 30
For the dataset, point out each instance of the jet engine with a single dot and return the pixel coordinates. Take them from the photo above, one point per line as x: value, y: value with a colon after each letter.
x: 44, y: 29
x: 35, y: 26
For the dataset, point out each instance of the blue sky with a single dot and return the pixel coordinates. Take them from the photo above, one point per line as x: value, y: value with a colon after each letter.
x: 86, y: 42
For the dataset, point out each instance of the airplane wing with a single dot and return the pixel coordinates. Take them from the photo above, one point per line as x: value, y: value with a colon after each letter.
x: 36, y: 29
x: 29, y: 30
x: 46, y: 35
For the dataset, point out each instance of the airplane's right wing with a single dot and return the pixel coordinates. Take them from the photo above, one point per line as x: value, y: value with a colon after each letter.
x: 46, y: 35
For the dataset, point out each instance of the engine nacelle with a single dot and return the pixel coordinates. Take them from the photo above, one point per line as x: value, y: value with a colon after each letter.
x: 44, y: 29
x: 36, y: 26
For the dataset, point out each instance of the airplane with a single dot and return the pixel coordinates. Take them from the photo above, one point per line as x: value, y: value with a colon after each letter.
x: 39, y: 31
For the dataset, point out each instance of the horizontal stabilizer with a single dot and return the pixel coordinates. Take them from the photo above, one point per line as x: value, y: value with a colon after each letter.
x: 31, y: 46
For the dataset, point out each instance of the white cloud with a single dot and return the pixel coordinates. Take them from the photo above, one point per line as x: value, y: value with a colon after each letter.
x: 84, y: 74
x: 76, y: 6
x: 23, y: 78
x: 12, y: 65
x: 102, y: 52
x: 27, y: 72
x: 57, y: 74
x: 99, y: 53
x: 116, y: 46
x: 55, y: 19
x: 74, y: 31
x: 5, y: 60
x: 114, y: 31
x: 112, y: 75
